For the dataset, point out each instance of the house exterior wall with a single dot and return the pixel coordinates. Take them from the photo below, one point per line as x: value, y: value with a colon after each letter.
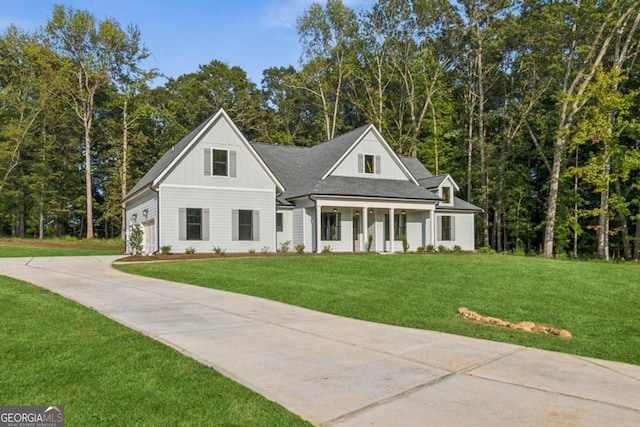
x: 220, y: 203
x: 286, y: 235
x: 136, y: 208
x: 389, y: 168
x: 464, y: 231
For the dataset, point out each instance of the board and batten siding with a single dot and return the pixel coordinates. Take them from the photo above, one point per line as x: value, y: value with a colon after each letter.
x: 220, y: 203
x: 146, y: 201
x: 191, y: 169
x: 385, y: 165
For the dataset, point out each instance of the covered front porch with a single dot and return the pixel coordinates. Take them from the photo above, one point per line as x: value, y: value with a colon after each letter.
x: 376, y: 225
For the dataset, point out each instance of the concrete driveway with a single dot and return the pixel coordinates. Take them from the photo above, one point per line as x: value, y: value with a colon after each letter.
x: 342, y: 372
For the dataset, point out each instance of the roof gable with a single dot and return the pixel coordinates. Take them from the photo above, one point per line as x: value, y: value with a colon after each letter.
x: 176, y: 153
x: 370, y: 142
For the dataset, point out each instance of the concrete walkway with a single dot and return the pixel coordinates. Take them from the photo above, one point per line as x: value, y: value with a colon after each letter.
x: 341, y: 372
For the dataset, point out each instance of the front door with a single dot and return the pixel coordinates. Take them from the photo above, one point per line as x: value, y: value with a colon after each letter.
x: 357, y: 234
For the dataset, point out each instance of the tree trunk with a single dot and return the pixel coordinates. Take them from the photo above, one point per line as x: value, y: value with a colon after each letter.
x: 125, y: 165
x: 603, y: 217
x: 87, y: 178
x: 636, y: 242
x: 624, y: 226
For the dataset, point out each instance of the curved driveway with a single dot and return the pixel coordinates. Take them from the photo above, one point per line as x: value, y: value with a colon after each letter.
x: 337, y: 371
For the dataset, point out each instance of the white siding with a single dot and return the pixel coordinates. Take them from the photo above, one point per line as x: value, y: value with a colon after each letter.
x: 287, y: 228
x: 464, y: 231
x: 370, y: 144
x: 136, y: 208
x: 220, y: 203
x: 191, y: 169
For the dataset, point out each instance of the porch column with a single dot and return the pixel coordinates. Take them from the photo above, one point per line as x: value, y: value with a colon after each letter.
x: 392, y: 226
x: 432, y: 217
x: 365, y: 228
x: 318, y: 226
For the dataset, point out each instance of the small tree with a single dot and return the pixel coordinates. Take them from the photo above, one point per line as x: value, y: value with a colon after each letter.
x: 135, y: 240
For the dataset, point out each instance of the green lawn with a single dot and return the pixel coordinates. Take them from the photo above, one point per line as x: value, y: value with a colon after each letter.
x: 56, y: 352
x: 598, y: 302
x: 59, y: 247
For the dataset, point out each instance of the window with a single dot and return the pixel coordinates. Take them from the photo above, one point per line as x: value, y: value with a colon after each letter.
x: 279, y: 226
x: 446, y: 228
x: 446, y: 195
x: 331, y: 226
x: 194, y: 224
x: 220, y: 161
x: 368, y: 163
x: 399, y: 226
x: 245, y: 225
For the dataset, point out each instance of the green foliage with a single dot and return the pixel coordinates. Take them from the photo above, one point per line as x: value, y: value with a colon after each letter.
x: 405, y: 243
x: 252, y: 251
x: 219, y: 250
x: 442, y: 248
x: 430, y: 248
x: 457, y: 248
x: 285, y: 246
x: 369, y: 242
x: 135, y: 240
x: 327, y: 249
x: 190, y: 250
x: 300, y: 248
x: 165, y: 249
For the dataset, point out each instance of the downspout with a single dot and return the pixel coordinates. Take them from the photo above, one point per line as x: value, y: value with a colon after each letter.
x: 157, y: 217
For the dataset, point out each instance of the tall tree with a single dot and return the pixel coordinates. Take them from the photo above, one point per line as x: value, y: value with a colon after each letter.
x: 94, y: 51
x: 327, y: 36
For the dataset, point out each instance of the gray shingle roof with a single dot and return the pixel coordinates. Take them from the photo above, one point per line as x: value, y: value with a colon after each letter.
x: 416, y: 168
x: 370, y: 187
x: 433, y: 181
x: 166, y: 160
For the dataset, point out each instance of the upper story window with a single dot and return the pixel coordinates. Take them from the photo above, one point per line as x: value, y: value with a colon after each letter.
x: 446, y: 195
x: 220, y: 162
x: 369, y: 163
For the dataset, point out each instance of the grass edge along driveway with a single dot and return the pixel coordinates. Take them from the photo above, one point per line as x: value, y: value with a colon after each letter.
x: 57, y: 352
x: 599, y: 303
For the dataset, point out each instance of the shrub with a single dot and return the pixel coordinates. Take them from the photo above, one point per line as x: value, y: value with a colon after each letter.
x: 190, y: 250
x: 430, y: 248
x: 300, y: 248
x: 420, y: 249
x: 443, y: 248
x: 265, y: 249
x: 165, y: 250
x: 405, y: 243
x: 285, y: 246
x: 486, y: 250
x: 252, y: 251
x: 457, y: 248
x: 519, y: 252
x: 327, y: 249
x: 369, y: 242
x: 218, y: 250
x: 135, y: 240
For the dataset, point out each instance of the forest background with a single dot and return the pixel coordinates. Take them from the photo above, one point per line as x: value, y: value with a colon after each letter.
x: 531, y: 105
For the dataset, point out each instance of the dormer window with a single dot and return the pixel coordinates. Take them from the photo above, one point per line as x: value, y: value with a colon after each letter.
x: 369, y: 163
x: 446, y: 195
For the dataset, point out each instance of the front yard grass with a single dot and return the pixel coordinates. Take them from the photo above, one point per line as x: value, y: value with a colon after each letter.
x: 599, y: 303
x: 59, y: 247
x: 56, y: 352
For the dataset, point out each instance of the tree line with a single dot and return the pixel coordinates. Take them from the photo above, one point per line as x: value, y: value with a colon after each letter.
x: 531, y: 105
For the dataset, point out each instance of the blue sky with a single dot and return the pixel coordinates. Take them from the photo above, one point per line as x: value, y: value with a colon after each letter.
x: 252, y: 34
